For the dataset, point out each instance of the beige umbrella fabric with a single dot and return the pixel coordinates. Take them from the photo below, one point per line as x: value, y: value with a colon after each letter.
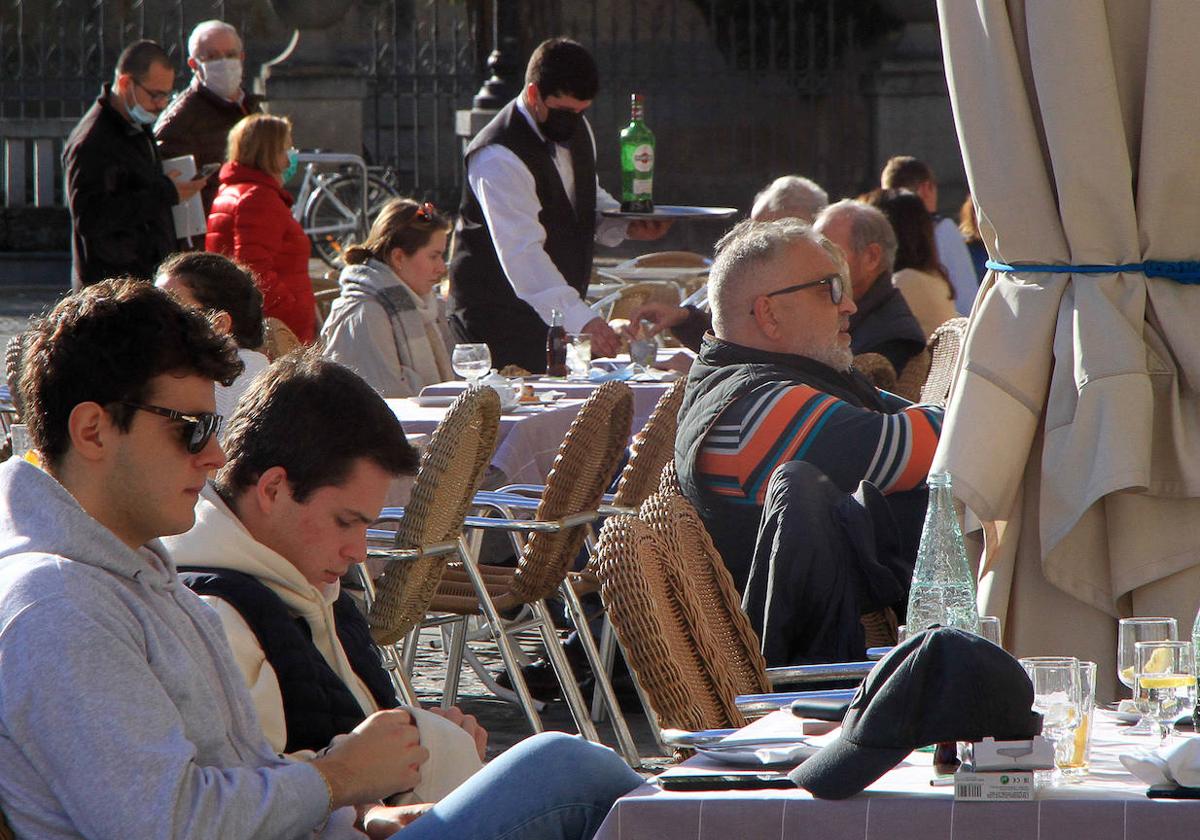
x: 1074, y: 430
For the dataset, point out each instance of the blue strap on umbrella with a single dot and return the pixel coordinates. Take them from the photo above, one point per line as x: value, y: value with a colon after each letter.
x: 1180, y: 272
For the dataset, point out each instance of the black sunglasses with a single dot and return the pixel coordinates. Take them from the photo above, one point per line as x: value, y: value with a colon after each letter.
x: 198, y: 429
x: 835, y: 282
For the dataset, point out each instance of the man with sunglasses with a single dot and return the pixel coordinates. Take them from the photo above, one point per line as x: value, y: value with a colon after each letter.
x: 773, y: 391
x: 120, y: 199
x: 122, y: 710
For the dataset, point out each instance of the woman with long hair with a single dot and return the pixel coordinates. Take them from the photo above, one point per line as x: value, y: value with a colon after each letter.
x: 917, y: 272
x: 387, y: 323
x: 251, y: 220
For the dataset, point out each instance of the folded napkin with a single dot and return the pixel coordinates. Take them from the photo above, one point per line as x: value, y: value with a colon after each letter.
x: 1176, y: 763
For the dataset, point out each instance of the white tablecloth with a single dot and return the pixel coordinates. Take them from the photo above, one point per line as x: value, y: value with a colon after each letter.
x: 527, y: 442
x: 1109, y: 804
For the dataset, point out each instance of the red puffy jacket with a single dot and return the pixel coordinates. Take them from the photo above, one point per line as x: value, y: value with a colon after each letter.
x: 251, y: 221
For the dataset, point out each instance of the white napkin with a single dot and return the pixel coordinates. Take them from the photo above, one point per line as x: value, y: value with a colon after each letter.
x: 1176, y: 763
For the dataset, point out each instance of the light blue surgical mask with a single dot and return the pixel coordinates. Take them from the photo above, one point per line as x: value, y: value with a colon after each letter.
x: 139, y: 114
x: 293, y: 165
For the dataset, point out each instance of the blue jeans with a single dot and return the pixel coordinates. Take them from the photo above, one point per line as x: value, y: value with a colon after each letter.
x: 549, y: 787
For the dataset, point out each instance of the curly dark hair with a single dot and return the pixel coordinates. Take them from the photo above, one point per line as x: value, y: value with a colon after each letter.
x: 220, y: 285
x: 314, y: 418
x: 104, y: 344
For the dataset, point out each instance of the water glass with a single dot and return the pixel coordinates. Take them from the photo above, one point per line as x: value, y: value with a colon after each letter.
x: 1056, y: 695
x: 471, y: 361
x: 1130, y: 631
x: 1076, y: 766
x: 1164, y: 682
x: 579, y: 355
x: 989, y: 628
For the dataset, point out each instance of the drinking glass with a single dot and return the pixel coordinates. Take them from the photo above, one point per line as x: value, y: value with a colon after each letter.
x: 1076, y: 766
x: 1130, y: 631
x: 1164, y: 682
x: 579, y: 355
x: 471, y: 361
x: 989, y: 628
x: 1056, y: 696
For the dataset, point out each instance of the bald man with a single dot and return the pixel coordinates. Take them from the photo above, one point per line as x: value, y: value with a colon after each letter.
x: 773, y: 391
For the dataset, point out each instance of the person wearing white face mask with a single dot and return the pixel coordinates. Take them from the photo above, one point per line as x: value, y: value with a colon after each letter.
x: 198, y: 121
x: 119, y: 198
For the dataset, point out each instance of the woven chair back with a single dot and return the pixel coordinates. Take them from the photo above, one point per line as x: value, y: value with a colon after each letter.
x: 452, y: 466
x: 652, y: 447
x: 701, y: 570
x: 634, y: 295
x: 582, y: 470
x: 877, y: 369
x: 668, y: 480
x: 654, y: 621
x: 912, y: 378
x: 944, y: 346
x: 278, y: 339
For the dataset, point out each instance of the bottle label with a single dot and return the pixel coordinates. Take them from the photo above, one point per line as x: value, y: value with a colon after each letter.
x: 643, y: 159
x: 643, y: 186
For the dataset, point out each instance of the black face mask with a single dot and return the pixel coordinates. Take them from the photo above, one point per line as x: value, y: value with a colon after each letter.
x: 560, y: 124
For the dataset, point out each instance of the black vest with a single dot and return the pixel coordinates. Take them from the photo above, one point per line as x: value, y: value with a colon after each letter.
x: 884, y: 324
x: 722, y: 373
x: 317, y: 705
x: 482, y: 297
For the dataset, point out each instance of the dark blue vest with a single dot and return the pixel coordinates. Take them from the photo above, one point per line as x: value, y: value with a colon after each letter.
x: 317, y: 705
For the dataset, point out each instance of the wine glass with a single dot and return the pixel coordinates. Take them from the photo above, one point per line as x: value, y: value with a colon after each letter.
x: 1164, y: 682
x: 1131, y: 631
x: 471, y: 361
x: 1056, y: 696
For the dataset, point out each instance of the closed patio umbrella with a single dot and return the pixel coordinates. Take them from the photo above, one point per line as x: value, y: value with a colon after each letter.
x: 1074, y: 431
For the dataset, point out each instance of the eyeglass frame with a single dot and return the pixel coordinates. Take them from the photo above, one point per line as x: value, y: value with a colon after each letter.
x: 208, y: 424
x: 837, y: 290
x: 157, y: 97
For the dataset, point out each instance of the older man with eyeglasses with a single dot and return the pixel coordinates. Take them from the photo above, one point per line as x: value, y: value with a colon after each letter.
x: 120, y: 199
x: 777, y: 430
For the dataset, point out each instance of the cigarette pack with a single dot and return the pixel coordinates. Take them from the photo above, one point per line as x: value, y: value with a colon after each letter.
x: 1003, y: 786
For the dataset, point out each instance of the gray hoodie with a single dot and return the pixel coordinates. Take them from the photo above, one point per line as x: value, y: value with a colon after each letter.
x: 122, y: 713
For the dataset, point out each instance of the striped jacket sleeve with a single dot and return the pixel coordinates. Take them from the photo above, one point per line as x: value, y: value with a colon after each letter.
x: 777, y: 423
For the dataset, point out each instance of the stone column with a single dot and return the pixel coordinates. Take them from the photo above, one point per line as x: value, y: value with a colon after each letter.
x: 506, y: 74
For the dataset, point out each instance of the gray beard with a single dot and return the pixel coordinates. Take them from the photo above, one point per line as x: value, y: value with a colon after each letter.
x: 839, y: 358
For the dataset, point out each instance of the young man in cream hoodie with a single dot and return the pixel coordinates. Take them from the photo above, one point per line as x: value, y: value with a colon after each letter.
x: 282, y: 522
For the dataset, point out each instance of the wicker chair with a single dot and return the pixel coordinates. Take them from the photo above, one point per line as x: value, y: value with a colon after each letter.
x: 429, y: 529
x: 652, y: 448
x: 589, y: 455
x: 912, y: 378
x: 944, y: 346
x: 278, y: 339
x: 877, y: 369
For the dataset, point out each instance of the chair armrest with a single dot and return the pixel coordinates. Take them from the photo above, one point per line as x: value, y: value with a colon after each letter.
x: 432, y: 550
x: 764, y: 703
x: 496, y: 523
x: 804, y: 674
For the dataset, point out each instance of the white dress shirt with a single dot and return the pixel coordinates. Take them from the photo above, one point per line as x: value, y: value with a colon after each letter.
x: 956, y: 259
x: 507, y: 194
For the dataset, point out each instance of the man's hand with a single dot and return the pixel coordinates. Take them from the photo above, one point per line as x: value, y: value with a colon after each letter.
x: 382, y: 821
x: 647, y: 229
x: 381, y: 757
x: 662, y: 316
x: 605, y: 342
x: 468, y: 724
x: 186, y: 189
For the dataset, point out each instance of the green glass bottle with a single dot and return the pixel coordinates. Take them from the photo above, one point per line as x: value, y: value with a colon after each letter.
x: 637, y: 162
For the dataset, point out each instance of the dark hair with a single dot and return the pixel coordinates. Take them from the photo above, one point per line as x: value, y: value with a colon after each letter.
x: 220, y: 285
x: 402, y: 223
x: 904, y: 172
x: 916, y: 246
x: 104, y: 344
x: 139, y: 57
x: 314, y: 418
x: 562, y: 67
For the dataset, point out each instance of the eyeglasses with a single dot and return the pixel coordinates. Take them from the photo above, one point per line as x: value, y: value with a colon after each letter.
x: 426, y: 212
x: 836, y: 283
x: 160, y: 97
x: 197, y: 429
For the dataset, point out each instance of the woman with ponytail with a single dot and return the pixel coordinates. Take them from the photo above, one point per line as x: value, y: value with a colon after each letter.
x: 387, y: 323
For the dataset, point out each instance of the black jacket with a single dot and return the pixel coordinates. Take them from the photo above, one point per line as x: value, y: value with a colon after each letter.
x: 885, y: 325
x: 119, y: 198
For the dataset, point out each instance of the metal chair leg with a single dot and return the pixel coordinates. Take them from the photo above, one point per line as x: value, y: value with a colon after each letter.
x: 608, y: 650
x: 557, y: 657
x: 454, y: 662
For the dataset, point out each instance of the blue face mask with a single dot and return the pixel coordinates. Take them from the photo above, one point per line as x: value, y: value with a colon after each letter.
x: 139, y: 114
x: 293, y: 165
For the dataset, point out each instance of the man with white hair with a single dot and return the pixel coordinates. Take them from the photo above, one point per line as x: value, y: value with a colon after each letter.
x: 774, y: 385
x: 883, y: 323
x: 198, y: 121
x: 789, y: 197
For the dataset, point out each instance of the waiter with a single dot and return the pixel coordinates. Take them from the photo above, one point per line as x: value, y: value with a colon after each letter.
x: 528, y: 219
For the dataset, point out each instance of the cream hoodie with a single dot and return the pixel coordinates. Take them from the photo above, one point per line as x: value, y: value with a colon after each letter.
x: 220, y: 540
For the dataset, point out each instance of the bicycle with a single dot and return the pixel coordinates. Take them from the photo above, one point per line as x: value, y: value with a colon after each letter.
x: 329, y: 204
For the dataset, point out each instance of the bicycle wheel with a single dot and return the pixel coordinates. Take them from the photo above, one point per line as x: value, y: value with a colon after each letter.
x: 333, y: 215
